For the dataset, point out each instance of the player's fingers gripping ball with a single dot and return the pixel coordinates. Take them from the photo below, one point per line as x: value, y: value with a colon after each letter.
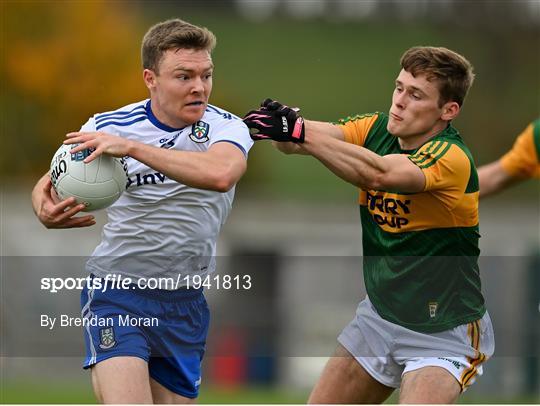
x: 275, y: 121
x: 97, y: 184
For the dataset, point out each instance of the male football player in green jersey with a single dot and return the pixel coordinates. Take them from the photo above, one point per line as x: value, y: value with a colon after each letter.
x: 423, y: 326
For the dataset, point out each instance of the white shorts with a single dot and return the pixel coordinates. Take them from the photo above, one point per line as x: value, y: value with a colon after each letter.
x: 387, y: 350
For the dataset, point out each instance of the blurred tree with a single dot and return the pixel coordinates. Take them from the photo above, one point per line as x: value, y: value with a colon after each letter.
x: 61, y: 62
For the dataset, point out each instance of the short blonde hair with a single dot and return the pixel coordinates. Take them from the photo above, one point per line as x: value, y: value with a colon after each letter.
x: 452, y: 71
x: 173, y: 34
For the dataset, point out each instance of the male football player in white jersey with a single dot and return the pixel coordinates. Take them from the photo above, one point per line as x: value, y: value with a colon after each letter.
x: 184, y: 158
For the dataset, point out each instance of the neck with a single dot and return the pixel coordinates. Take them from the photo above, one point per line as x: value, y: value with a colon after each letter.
x: 163, y: 117
x: 416, y: 141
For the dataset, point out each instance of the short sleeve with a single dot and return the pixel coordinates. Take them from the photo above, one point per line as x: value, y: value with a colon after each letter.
x: 356, y: 129
x: 235, y: 132
x: 90, y: 125
x: 447, y: 170
x: 522, y: 160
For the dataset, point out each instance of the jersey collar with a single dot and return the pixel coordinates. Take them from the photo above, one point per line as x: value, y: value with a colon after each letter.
x: 153, y: 119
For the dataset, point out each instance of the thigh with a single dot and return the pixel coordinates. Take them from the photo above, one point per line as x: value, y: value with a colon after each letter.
x: 344, y: 380
x: 105, y: 335
x: 460, y: 351
x: 122, y: 380
x: 429, y: 385
x: 116, y: 353
x: 178, y: 346
x: 163, y: 396
x: 369, y: 339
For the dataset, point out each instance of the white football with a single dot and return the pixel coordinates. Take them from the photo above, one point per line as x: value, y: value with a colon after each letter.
x: 97, y: 184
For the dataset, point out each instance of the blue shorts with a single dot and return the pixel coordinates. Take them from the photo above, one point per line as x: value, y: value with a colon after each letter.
x: 167, y: 329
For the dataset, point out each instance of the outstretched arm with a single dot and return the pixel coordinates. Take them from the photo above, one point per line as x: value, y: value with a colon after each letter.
x: 283, y: 124
x: 493, y: 178
x: 218, y: 168
x: 326, y: 142
x: 362, y: 167
x: 518, y: 164
x: 326, y: 129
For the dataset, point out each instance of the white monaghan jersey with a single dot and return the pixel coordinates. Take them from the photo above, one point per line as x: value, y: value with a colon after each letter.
x: 159, y: 227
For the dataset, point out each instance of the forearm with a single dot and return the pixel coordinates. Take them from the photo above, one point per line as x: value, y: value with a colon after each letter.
x: 196, y: 169
x: 323, y: 129
x: 319, y: 127
x: 493, y: 178
x: 37, y: 192
x: 218, y: 168
x: 352, y: 163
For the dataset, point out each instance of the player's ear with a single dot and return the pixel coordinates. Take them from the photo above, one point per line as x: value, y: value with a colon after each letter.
x: 450, y: 110
x: 149, y: 78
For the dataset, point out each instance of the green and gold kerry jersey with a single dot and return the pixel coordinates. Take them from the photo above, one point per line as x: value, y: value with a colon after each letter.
x: 421, y: 249
x: 523, y: 160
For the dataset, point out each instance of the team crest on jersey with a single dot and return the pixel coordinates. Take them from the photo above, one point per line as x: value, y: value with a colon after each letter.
x: 199, y: 132
x: 106, y: 338
x: 433, y: 309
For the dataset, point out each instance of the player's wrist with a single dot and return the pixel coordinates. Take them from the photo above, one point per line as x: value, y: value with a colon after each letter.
x: 310, y: 134
x: 133, y: 148
x: 297, y: 134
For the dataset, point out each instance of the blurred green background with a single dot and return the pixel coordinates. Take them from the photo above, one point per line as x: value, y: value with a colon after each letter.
x: 63, y: 61
x: 62, y: 393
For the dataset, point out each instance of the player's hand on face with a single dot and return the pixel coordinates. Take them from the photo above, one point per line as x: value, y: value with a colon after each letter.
x: 60, y: 214
x: 275, y: 121
x: 100, y: 143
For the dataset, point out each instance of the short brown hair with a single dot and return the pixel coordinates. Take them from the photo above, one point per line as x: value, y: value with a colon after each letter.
x: 452, y: 71
x: 173, y: 34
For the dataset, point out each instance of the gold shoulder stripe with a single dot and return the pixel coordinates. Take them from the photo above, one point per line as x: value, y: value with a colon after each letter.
x: 426, y: 148
x: 432, y: 154
x: 429, y: 154
x: 426, y: 151
x: 438, y: 154
x: 355, y: 117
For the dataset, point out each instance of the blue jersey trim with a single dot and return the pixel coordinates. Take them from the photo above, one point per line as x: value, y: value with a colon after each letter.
x: 153, y: 119
x: 222, y: 113
x: 120, y: 124
x: 117, y: 113
x: 209, y: 107
x: 123, y: 117
x: 234, y: 143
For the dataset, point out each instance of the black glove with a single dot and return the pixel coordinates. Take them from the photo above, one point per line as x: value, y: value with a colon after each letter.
x: 275, y: 121
x: 270, y: 104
